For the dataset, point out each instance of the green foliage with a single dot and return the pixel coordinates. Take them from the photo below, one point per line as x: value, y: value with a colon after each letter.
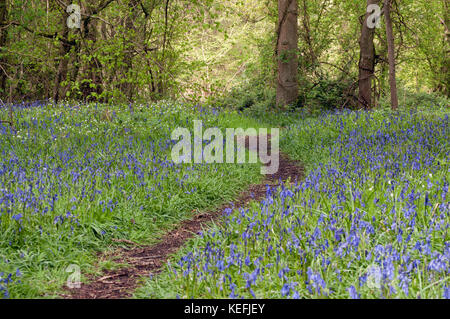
x: 208, y: 49
x: 414, y: 100
x: 252, y: 95
x: 98, y: 173
x: 363, y: 223
x: 328, y: 95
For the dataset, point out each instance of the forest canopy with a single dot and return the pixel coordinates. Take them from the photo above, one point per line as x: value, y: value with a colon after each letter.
x: 203, y: 50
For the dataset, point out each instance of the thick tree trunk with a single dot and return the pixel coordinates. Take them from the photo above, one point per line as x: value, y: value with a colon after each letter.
x: 64, y: 50
x: 3, y: 42
x: 366, y: 61
x: 287, y: 46
x: 391, y: 54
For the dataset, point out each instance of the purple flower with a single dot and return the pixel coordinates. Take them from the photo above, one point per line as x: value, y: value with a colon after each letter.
x: 353, y: 293
x: 446, y: 294
x: 17, y: 217
x: 286, y: 290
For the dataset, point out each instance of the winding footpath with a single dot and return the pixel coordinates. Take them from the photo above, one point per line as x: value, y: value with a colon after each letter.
x: 146, y: 260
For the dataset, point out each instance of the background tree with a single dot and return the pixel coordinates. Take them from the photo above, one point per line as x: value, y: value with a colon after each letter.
x: 366, y: 59
x: 3, y: 45
x: 221, y: 52
x: 444, y: 86
x: 391, y: 54
x: 64, y: 50
x: 286, y: 49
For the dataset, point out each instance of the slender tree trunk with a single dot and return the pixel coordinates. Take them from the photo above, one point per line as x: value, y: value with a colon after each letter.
x: 391, y: 54
x: 366, y: 61
x: 161, y: 78
x: 75, y: 71
x: 127, y: 87
x: 445, y: 70
x: 307, y: 36
x: 3, y: 59
x: 92, y: 71
x: 3, y: 42
x: 64, y: 50
x: 286, y: 48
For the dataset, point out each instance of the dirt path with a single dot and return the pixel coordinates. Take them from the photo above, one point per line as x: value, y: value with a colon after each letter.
x: 146, y: 260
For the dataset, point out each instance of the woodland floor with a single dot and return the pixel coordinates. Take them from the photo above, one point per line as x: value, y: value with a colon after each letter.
x: 149, y: 260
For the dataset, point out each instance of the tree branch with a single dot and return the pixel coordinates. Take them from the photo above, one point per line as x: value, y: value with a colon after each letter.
x: 46, y: 35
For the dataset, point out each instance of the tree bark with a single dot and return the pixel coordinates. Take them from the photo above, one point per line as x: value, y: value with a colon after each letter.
x: 286, y: 49
x: 127, y: 87
x: 3, y: 42
x: 307, y: 36
x: 64, y: 50
x: 391, y: 54
x: 445, y: 70
x: 366, y: 61
x: 161, y: 84
x: 3, y: 59
x: 92, y: 87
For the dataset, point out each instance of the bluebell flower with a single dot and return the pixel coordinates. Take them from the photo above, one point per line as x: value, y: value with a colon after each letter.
x: 446, y: 293
x: 286, y: 290
x: 353, y: 293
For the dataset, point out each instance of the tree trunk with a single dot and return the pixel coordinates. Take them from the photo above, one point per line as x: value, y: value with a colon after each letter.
x: 64, y: 50
x: 312, y: 60
x: 286, y: 49
x: 366, y: 61
x: 127, y: 87
x: 445, y: 70
x: 391, y: 54
x: 92, y: 72
x: 162, y: 65
x: 92, y: 86
x: 3, y: 42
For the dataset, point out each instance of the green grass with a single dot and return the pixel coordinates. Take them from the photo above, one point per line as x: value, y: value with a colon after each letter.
x: 374, y: 203
x: 110, y: 168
